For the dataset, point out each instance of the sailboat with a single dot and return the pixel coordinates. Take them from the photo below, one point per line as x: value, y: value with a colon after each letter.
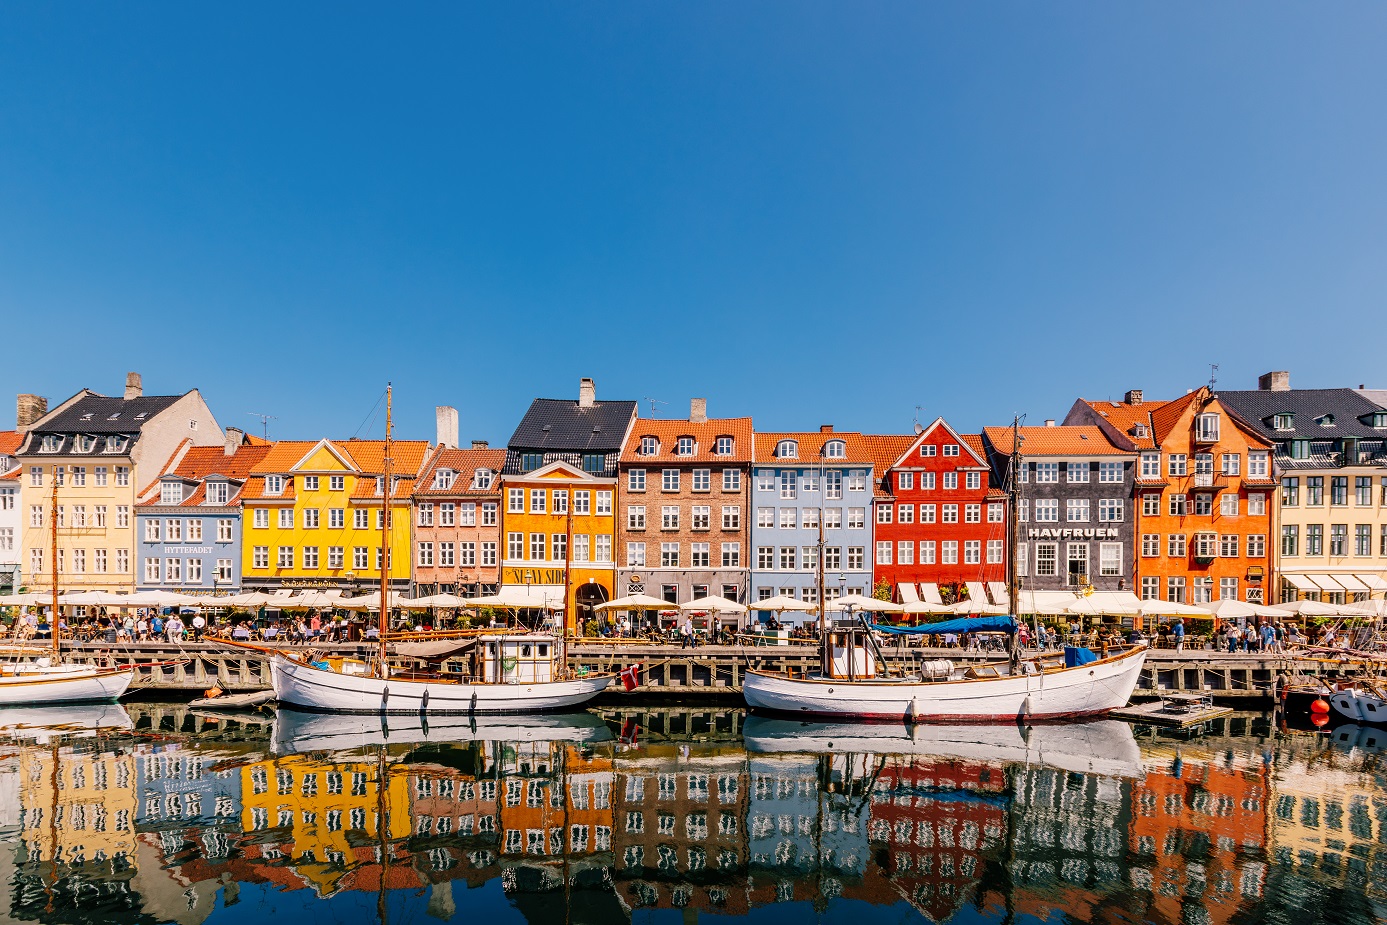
x: 49, y: 680
x: 512, y: 672
x: 854, y: 681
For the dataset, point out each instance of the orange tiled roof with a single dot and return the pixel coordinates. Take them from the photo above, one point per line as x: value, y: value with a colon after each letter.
x: 1062, y: 440
x: 884, y: 450
x: 10, y: 441
x: 367, y: 456
x: 404, y: 487
x: 1164, y: 418
x: 254, y: 490
x: 810, y: 442
x: 1124, y: 417
x: 975, y: 444
x: 11, y: 476
x: 202, y: 461
x: 465, y: 462
x: 705, y: 436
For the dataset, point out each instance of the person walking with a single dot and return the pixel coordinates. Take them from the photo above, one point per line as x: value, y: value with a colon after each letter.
x: 174, y: 628
x: 1179, y: 634
x: 686, y: 634
x: 199, y: 624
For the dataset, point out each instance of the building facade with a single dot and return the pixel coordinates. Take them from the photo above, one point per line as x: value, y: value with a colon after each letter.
x: 457, y: 521
x: 98, y: 452
x: 586, y: 434
x: 11, y: 524
x: 1204, y: 496
x: 1075, y: 505
x: 559, y: 524
x: 313, y: 514
x: 941, y: 518
x: 684, y: 488
x: 811, y: 491
x: 188, y: 522
x: 1331, y: 457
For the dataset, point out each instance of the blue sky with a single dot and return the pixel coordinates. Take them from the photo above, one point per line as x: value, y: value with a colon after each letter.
x: 806, y: 212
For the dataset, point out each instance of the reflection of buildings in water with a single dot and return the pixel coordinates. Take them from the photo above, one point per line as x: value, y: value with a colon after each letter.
x: 1331, y: 819
x: 1199, y: 834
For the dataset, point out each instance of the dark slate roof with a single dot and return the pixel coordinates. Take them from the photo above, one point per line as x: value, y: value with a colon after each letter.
x: 1308, y: 405
x: 75, y: 420
x: 1326, y: 454
x: 598, y: 429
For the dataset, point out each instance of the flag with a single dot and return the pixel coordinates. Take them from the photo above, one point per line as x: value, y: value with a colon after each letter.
x: 629, y: 731
x: 631, y: 677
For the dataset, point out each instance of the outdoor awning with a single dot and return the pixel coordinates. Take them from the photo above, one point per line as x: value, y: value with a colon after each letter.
x: 929, y: 593
x: 1325, y: 582
x: 441, y: 648
x: 1300, y: 582
x: 998, y: 590
x: 1373, y: 582
x: 1351, y: 583
x: 909, y: 593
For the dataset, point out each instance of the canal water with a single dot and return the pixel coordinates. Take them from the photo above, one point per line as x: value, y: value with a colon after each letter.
x: 154, y: 814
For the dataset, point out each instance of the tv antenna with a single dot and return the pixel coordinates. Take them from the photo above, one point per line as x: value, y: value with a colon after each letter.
x: 265, y: 420
x: 1213, y: 375
x: 653, y: 403
x: 919, y: 429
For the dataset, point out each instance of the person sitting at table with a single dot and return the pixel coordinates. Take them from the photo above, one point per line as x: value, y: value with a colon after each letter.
x: 240, y: 633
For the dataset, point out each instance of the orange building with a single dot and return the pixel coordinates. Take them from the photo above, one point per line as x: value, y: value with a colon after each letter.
x: 558, y: 528
x: 1203, y: 495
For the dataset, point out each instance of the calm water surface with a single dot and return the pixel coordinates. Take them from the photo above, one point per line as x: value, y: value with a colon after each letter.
x: 151, y: 814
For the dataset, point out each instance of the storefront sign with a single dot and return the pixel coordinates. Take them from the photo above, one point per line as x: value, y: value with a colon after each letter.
x: 532, y: 576
x: 1072, y: 533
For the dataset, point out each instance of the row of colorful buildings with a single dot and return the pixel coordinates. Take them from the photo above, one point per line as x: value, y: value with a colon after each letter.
x: 1262, y: 495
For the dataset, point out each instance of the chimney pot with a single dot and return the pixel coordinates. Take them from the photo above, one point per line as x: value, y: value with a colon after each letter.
x: 447, y: 426
x: 1278, y: 380
x: 825, y: 428
x: 479, y: 444
x: 1133, y: 397
x: 234, y: 436
x: 134, y: 386
x: 27, y: 410
x: 587, y: 393
x: 1049, y: 422
x: 698, y: 410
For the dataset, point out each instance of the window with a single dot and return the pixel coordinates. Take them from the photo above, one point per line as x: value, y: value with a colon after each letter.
x: 650, y: 446
x: 152, y: 529
x: 1338, y: 490
x: 1150, y: 505
x: 1110, y: 510
x: 447, y: 514
x: 310, y: 518
x: 558, y: 545
x: 1290, y: 492
x: 286, y: 557
x: 1206, y: 427
x: 732, y: 517
x: 685, y: 446
x: 1150, y: 588
x: 1231, y: 463
x: 122, y: 475
x: 809, y: 557
x: 1077, y: 472
x: 884, y: 551
x: 425, y: 554
x: 361, y: 519
x: 538, y: 546
x: 950, y: 514
x: 1362, y: 540
x: 1228, y: 589
x: 905, y: 513
x: 286, y: 518
x: 1290, y: 539
x: 1257, y: 464
x: 1176, y: 546
x: 885, y: 513
x: 833, y: 518
x: 950, y: 481
x: 195, y: 531
x: 669, y: 517
x: 951, y: 449
x: 1256, y: 545
x: 669, y: 480
x: 1178, y: 507
x: 1047, y: 472
x: 1076, y: 510
x: 274, y: 484
x: 1150, y: 545
x: 996, y: 513
x: 1047, y: 510
x: 972, y: 513
x: 1205, y: 545
x: 1046, y: 559
x: 948, y: 552
x: 1175, y: 589
x: 635, y: 555
x: 310, y: 557
x: 335, y: 557
x: 994, y: 552
x: 698, y: 555
x: 857, y: 558
x: 787, y: 449
x: 905, y: 481
x: 359, y: 557
x: 787, y: 484
x: 927, y: 450
x: 1150, y: 465
x: 927, y: 552
x: 731, y: 555
x: 558, y: 499
x: 1176, y: 464
x: 927, y: 481
x: 972, y: 552
x: 723, y: 446
x: 857, y: 518
x: 1203, y: 504
x: 635, y: 517
x: 1363, y: 491
x: 1110, y: 559
x: 1077, y: 563
x: 515, y: 545
x: 539, y: 499
x: 787, y: 557
x: 973, y: 481
x: 669, y: 555
x: 702, y: 480
x: 531, y: 461
x: 1314, y: 490
x: 1110, y: 472
x: 224, y: 528
x: 152, y: 571
x: 833, y: 484
x: 1338, y: 539
x: 765, y: 557
x: 732, y: 480
x: 1228, y: 505
x: 489, y: 513
x: 1228, y: 545
x: 425, y: 515
x: 701, y: 517
x: 835, y: 449
x: 833, y: 557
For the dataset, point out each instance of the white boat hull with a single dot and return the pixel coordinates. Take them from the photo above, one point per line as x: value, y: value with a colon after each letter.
x: 1085, y: 690
x: 1361, y: 706
x: 320, y: 689
x: 64, y: 684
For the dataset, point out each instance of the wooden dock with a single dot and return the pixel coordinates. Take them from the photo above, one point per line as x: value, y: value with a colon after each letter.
x: 1178, y: 711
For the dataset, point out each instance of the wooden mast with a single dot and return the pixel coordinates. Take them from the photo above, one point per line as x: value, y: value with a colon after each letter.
x: 53, y: 534
x: 1014, y: 489
x: 385, y: 537
x: 825, y: 659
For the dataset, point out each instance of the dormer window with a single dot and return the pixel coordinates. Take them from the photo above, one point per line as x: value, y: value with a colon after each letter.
x: 650, y: 446
x: 1300, y: 449
x: 114, y: 444
x: 1138, y: 430
x: 380, y: 485
x: 443, y: 479
x: 171, y: 493
x: 723, y: 446
x: 51, y: 443
x: 1283, y: 421
x: 85, y: 443
x: 218, y: 492
x: 787, y: 449
x: 835, y: 449
x: 482, y: 479
x: 1380, y: 419
x: 685, y: 446
x: 1206, y: 427
x: 274, y: 484
x: 1325, y: 420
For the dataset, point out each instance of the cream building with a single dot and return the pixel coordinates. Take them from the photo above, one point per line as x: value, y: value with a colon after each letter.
x: 99, y: 452
x: 1330, y: 523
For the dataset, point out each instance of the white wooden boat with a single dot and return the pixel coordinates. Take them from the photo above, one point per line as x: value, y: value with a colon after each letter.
x: 1361, y: 702
x: 297, y: 732
x: 1033, y: 689
x: 1105, y: 747
x: 42, y: 681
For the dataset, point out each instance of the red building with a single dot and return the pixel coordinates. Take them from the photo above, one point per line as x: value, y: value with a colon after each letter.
x: 939, y: 518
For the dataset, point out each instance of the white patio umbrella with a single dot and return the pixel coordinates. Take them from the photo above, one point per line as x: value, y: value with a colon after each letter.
x: 713, y: 603
x: 518, y: 596
x: 635, y: 602
x: 1310, y: 609
x: 862, y: 602
x: 980, y: 608
x: 160, y: 599
x: 924, y: 607
x: 26, y: 599
x: 783, y: 602
x: 442, y: 601
x: 1377, y: 608
x: 1232, y: 609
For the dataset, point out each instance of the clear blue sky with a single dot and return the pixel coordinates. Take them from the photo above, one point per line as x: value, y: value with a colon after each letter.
x: 806, y: 212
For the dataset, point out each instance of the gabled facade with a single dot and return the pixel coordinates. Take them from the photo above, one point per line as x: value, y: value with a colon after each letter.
x: 559, y: 525
x: 188, y: 522
x: 1075, y: 505
x: 684, y: 487
x: 1204, y: 496
x: 586, y: 434
x: 457, y: 522
x: 798, y: 480
x: 99, y: 451
x: 1331, y: 457
x: 940, y: 517
x: 312, y: 515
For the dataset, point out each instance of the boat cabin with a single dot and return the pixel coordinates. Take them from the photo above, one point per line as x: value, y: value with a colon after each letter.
x: 519, y: 659
x: 850, y: 653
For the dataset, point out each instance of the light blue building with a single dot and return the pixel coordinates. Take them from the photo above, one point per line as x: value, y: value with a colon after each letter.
x: 188, y: 525
x: 800, y: 480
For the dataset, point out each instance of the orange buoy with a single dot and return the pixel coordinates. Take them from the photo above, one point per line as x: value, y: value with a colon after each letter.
x: 1319, y: 705
x: 1319, y: 719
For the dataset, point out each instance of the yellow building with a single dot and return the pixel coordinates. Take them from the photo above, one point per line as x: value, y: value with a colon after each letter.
x: 312, y: 515
x: 99, y: 452
x: 558, y: 527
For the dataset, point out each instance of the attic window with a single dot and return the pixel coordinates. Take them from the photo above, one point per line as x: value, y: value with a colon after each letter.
x: 1283, y: 421
x: 650, y: 446
x: 482, y: 479
x: 1138, y: 430
x: 835, y: 449
x: 1380, y: 419
x: 87, y: 416
x: 723, y: 446
x: 142, y: 415
x: 1325, y: 420
x: 218, y: 492
x: 85, y: 444
x: 787, y: 449
x: 529, y: 462
x: 274, y: 484
x: 51, y: 443
x: 685, y: 446
x: 113, y: 417
x: 114, y: 444
x: 171, y: 493
x: 443, y: 478
x: 595, y: 463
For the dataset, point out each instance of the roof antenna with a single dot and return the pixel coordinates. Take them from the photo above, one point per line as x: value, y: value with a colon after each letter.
x: 919, y: 428
x: 1213, y: 375
x: 265, y: 420
x: 653, y: 403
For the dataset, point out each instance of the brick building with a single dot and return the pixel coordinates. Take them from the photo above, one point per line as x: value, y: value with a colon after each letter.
x: 457, y: 518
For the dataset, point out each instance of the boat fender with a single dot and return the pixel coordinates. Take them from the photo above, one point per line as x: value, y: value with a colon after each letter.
x: 912, y: 715
x: 472, y: 704
x: 384, y: 698
x: 1025, y: 709
x: 424, y: 701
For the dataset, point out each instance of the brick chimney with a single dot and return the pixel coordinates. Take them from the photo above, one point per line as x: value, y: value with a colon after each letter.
x: 825, y: 428
x: 587, y: 393
x: 479, y: 444
x: 234, y: 438
x: 698, y: 411
x: 27, y: 410
x: 1133, y: 397
x: 446, y: 419
x: 1275, y: 381
x: 134, y: 386
x: 1049, y: 422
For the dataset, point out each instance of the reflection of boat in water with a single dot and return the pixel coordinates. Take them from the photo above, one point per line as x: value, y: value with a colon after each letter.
x: 59, y: 719
x: 1371, y: 740
x: 297, y: 732
x: 1103, y: 747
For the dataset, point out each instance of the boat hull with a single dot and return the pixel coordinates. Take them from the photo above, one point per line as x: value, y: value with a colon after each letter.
x: 1360, y: 706
x: 312, y: 688
x: 60, y: 685
x: 1085, y: 690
